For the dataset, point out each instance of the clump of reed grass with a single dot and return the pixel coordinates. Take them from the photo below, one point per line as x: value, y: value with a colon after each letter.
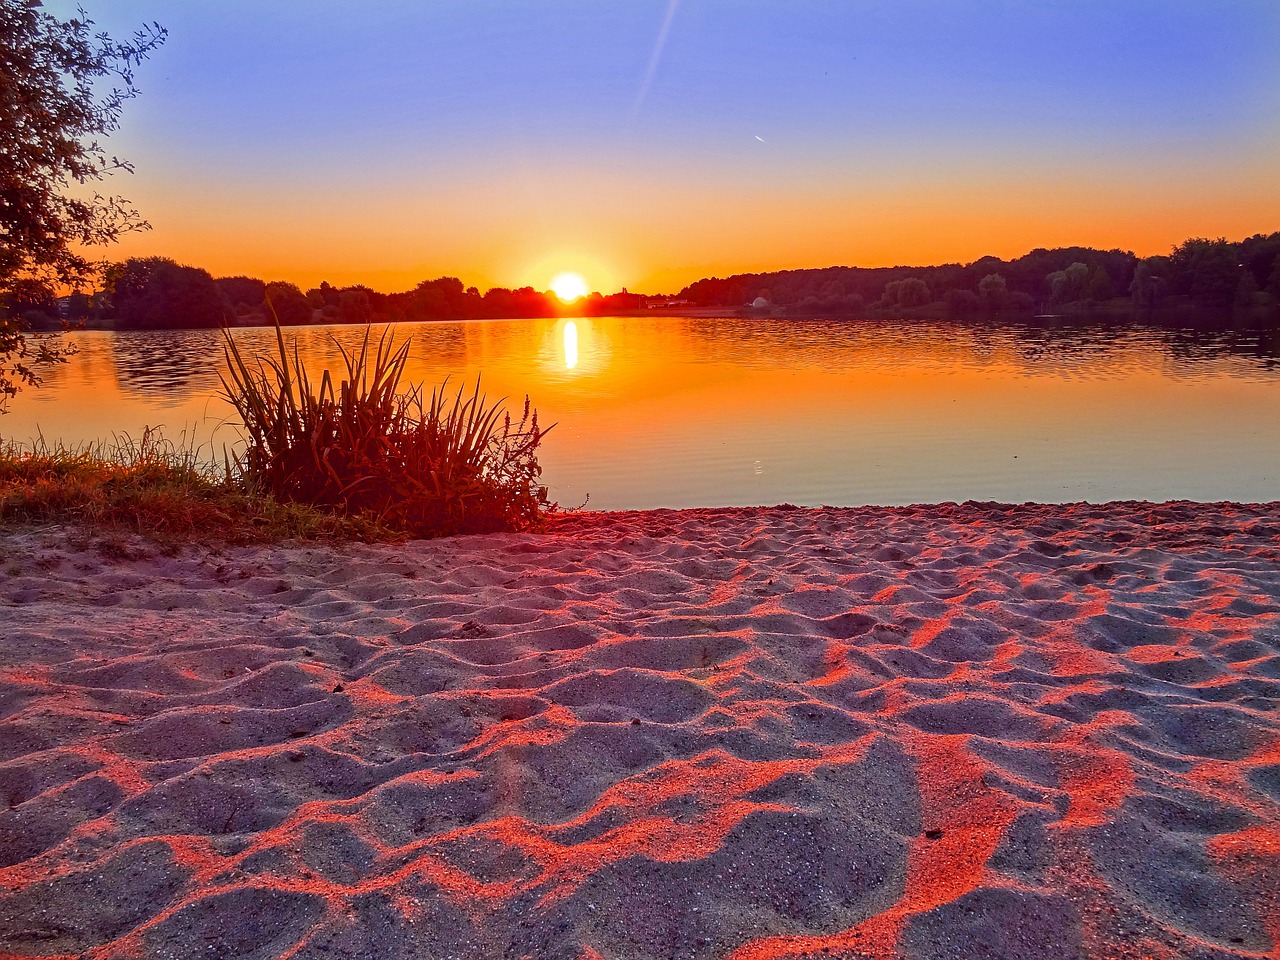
x: 152, y: 486
x: 429, y: 466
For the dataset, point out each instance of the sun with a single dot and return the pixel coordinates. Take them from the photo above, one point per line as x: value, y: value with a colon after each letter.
x: 569, y: 286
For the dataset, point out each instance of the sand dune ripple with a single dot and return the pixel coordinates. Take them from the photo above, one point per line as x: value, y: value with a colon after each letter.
x: 949, y: 731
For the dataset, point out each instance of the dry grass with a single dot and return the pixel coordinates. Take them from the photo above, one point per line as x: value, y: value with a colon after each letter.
x: 152, y: 487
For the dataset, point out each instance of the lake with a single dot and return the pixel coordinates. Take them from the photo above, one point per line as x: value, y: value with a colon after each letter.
x: 677, y: 412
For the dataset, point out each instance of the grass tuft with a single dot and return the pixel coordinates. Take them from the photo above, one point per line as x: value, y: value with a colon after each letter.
x: 364, y: 447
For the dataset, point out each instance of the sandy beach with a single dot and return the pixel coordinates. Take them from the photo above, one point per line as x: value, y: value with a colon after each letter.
x: 949, y: 731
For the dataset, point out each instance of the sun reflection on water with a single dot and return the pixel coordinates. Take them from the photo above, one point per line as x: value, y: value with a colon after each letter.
x: 570, y: 345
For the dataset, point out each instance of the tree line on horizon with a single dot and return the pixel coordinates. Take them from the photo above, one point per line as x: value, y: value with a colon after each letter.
x: 54, y: 115
x: 147, y: 293
x: 157, y: 292
x: 1199, y: 273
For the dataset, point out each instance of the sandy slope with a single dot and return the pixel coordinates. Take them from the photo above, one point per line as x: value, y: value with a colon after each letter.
x: 974, y: 731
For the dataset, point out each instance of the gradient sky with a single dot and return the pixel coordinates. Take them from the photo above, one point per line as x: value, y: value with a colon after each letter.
x: 647, y: 143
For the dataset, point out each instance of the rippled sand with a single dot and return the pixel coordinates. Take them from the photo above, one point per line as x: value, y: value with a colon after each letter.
x: 949, y: 731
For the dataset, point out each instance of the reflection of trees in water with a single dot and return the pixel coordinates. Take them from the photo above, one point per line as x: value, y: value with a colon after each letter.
x: 171, y: 364
x: 435, y: 345
x: 1085, y: 345
x: 916, y: 344
x: 447, y: 345
x: 176, y: 365
x: 769, y: 343
x: 1058, y: 346
x: 1075, y: 347
x: 1269, y: 347
x: 1202, y: 342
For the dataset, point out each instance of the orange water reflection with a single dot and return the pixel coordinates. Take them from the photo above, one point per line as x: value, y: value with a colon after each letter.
x: 570, y: 344
x: 658, y: 411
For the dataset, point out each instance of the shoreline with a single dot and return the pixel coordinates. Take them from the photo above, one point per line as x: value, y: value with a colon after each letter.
x: 947, y: 730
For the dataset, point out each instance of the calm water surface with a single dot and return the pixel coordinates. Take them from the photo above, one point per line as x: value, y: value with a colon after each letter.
x: 669, y: 411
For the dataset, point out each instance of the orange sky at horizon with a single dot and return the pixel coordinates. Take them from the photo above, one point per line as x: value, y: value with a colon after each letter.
x: 663, y: 142
x: 666, y: 237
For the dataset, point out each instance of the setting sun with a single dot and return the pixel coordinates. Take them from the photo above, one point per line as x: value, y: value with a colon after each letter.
x: 569, y: 286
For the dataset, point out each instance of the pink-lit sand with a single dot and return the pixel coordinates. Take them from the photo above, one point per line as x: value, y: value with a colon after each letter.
x: 949, y: 731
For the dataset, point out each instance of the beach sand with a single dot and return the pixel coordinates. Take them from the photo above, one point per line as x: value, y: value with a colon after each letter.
x: 924, y: 732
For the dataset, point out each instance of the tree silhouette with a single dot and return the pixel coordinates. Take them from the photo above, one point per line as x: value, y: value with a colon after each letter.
x: 1148, y: 282
x: 1246, y: 291
x: 289, y: 304
x: 354, y: 307
x: 51, y: 126
x: 1099, y: 286
x: 908, y: 292
x: 960, y: 301
x: 245, y: 294
x: 1069, y: 285
x: 1206, y: 271
x: 993, y: 292
x: 151, y: 293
